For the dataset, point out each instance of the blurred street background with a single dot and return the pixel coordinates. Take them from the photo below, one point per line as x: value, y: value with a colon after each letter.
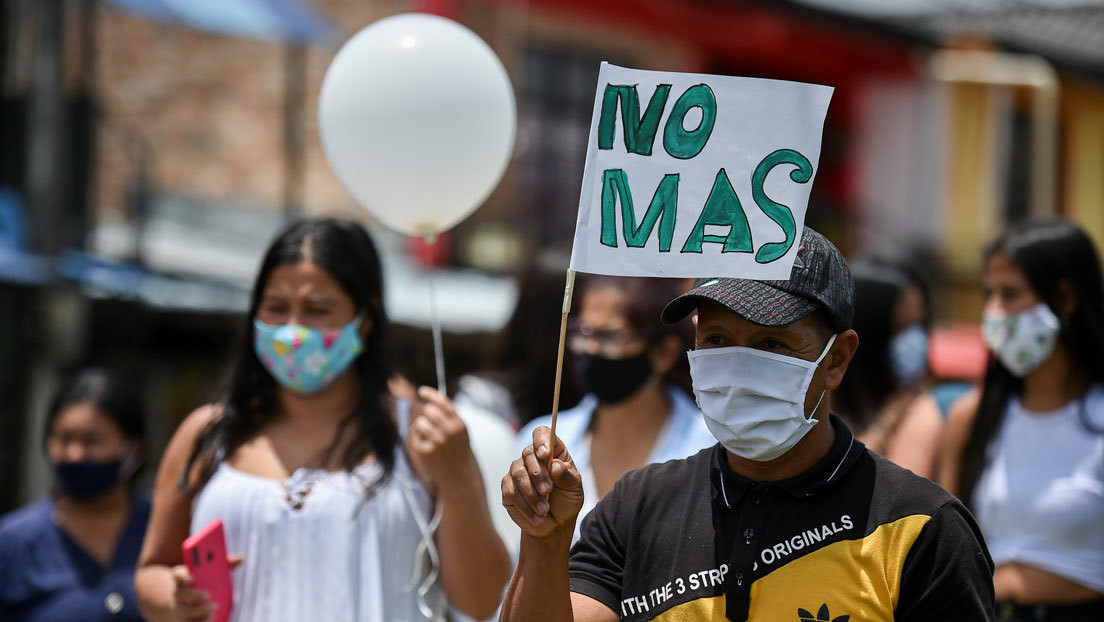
x: 152, y: 148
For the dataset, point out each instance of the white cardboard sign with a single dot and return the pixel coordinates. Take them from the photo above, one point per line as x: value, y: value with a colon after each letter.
x: 694, y: 175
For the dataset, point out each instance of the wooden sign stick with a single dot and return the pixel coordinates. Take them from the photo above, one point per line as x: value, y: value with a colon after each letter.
x: 569, y: 289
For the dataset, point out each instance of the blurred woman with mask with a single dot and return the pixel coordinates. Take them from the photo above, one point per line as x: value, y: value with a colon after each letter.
x: 884, y: 399
x: 1027, y: 452
x: 71, y: 556
x: 633, y: 369
x: 345, y: 503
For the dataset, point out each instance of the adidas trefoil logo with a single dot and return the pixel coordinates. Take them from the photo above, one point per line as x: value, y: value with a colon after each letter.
x: 821, y: 616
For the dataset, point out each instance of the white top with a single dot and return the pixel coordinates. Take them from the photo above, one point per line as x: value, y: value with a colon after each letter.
x: 1040, y: 500
x: 335, y: 558
x: 684, y: 434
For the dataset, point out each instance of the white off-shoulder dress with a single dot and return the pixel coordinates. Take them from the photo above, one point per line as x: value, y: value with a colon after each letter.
x: 315, y: 551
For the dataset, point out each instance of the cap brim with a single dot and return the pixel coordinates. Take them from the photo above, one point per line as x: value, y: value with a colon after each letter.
x: 754, y: 301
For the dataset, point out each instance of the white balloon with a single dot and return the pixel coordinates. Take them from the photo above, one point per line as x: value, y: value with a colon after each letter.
x: 417, y: 119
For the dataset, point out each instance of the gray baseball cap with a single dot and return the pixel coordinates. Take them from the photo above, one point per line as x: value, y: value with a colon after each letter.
x: 820, y: 279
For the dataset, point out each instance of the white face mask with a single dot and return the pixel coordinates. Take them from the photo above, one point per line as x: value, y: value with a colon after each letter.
x: 1022, y: 341
x: 754, y: 401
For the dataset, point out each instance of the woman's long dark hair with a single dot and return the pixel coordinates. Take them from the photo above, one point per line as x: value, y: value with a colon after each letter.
x: 870, y: 381
x: 345, y: 251
x: 1049, y: 253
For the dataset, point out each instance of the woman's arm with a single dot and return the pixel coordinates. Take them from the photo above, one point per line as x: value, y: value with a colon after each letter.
x: 916, y: 442
x: 162, y: 583
x: 474, y: 563
x: 959, y: 421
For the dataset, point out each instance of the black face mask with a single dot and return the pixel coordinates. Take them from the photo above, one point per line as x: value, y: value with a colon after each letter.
x: 85, y: 480
x: 612, y: 380
x: 89, y: 479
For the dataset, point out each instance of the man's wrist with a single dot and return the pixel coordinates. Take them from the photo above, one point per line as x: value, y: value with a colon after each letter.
x: 555, y: 542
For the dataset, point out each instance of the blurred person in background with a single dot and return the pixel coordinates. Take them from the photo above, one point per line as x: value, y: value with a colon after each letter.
x: 637, y: 408
x: 1027, y: 452
x: 329, y: 488
x: 885, y: 399
x: 71, y: 556
x: 518, y: 385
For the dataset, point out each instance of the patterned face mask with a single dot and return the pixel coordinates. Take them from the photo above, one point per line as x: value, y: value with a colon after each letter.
x: 303, y: 359
x: 1022, y: 341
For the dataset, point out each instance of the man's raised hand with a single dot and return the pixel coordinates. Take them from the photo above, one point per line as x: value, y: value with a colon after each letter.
x: 543, y: 493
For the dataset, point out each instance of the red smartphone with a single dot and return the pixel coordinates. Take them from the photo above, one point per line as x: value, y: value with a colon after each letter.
x: 205, y: 557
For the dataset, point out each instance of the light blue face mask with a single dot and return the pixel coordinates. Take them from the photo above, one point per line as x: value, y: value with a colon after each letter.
x: 303, y: 359
x: 908, y: 351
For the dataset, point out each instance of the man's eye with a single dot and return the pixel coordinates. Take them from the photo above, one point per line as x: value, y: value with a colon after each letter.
x: 774, y: 344
x: 715, y: 340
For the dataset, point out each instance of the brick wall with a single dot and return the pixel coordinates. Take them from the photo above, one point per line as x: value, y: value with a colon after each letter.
x: 210, y: 108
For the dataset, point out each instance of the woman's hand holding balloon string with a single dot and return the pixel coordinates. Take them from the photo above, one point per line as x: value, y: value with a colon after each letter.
x: 438, y: 446
x: 474, y: 562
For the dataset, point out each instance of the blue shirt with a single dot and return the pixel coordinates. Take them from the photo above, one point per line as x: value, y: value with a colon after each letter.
x: 684, y: 434
x: 45, y: 575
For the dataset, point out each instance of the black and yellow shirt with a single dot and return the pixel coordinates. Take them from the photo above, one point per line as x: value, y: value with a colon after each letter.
x: 853, y: 539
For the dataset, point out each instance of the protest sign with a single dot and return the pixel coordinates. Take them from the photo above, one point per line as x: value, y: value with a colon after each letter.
x: 694, y: 175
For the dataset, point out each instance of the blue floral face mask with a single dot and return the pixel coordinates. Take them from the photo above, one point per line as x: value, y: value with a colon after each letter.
x: 303, y: 359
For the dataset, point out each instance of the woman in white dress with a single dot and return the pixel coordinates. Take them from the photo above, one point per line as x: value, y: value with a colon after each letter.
x: 1026, y: 453
x: 339, y: 502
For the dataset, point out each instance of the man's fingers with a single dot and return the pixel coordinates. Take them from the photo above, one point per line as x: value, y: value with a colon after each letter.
x: 542, y: 480
x: 526, y: 489
x: 515, y: 503
x: 565, y: 475
x: 542, y: 440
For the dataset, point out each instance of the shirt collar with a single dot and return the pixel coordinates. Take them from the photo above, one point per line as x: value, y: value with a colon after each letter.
x: 729, y: 487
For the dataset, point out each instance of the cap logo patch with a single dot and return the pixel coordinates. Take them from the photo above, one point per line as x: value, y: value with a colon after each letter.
x: 799, y: 261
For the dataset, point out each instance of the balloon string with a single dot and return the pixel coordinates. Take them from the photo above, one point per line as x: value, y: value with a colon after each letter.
x: 438, y: 347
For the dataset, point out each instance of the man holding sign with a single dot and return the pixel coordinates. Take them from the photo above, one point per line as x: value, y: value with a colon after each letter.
x: 788, y: 517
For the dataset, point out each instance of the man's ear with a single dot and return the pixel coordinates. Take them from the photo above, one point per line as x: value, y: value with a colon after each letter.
x: 839, y: 357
